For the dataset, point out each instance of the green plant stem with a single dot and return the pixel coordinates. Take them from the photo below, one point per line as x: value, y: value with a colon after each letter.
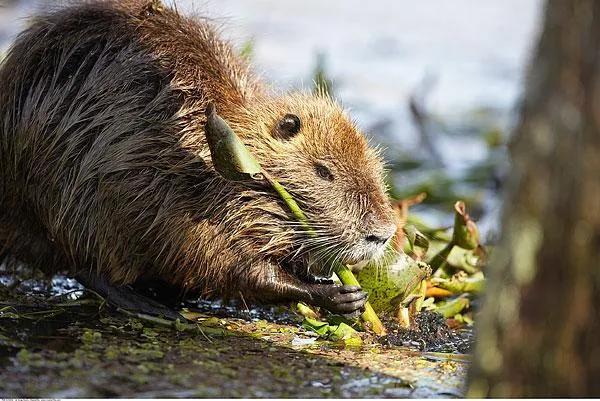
x: 369, y: 316
x: 306, y: 311
x: 473, y: 285
x: 439, y: 260
x: 341, y: 270
x: 453, y: 307
x: 290, y: 202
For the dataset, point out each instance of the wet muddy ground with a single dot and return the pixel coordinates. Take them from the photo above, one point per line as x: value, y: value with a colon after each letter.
x: 56, y: 341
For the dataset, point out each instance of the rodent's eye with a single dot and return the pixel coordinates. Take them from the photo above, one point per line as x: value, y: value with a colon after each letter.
x: 288, y: 126
x: 324, y: 172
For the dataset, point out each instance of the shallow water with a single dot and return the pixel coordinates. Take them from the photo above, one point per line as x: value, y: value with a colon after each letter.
x: 63, y: 346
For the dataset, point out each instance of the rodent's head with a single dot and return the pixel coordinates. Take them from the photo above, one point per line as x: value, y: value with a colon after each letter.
x: 308, y: 143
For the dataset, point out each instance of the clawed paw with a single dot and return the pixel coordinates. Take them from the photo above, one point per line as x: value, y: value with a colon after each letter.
x: 346, y: 300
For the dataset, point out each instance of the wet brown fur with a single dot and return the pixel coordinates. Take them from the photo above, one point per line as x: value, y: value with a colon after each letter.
x: 104, y: 164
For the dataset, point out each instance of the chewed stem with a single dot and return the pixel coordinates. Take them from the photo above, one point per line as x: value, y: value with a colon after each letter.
x: 341, y: 270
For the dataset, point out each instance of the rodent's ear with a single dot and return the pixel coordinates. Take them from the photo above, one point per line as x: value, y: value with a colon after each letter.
x: 287, y: 127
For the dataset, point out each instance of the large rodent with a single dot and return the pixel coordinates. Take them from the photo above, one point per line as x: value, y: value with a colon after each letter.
x: 105, y: 170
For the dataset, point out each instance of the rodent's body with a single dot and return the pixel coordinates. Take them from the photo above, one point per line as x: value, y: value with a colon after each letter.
x: 104, y: 166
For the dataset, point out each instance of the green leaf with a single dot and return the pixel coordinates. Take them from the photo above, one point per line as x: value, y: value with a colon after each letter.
x: 333, y: 332
x: 466, y: 234
x: 342, y: 332
x: 321, y: 328
x: 179, y: 326
x: 247, y: 50
x: 306, y: 310
x: 230, y: 157
x: 417, y: 240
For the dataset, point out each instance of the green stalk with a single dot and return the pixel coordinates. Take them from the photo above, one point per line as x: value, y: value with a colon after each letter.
x: 341, y: 270
x: 290, y: 202
x: 453, y: 308
x: 465, y: 235
x: 438, y: 262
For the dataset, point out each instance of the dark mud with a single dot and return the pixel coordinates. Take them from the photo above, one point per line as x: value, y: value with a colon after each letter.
x: 429, y: 333
x: 59, y: 341
x: 237, y: 310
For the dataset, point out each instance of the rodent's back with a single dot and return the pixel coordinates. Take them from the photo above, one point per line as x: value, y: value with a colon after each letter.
x: 101, y: 134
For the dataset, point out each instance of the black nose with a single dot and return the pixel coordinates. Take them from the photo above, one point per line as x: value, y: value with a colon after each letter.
x: 377, y: 238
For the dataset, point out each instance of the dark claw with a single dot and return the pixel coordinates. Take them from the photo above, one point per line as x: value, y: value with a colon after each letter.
x: 350, y: 307
x: 349, y: 288
x: 345, y: 300
x: 356, y: 313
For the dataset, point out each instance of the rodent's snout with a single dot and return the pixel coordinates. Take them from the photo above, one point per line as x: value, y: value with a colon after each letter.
x: 371, y: 237
x: 380, y: 235
x: 371, y: 243
x: 378, y: 229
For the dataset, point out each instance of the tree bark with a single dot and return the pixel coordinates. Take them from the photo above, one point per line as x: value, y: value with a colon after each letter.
x: 538, y: 332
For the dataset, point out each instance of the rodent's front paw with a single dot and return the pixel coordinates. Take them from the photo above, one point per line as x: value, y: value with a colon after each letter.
x: 346, y: 300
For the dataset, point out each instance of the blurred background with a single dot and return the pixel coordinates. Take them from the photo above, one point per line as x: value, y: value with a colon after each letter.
x: 435, y: 82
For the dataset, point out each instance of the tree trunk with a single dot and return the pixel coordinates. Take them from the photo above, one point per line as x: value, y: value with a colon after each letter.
x: 538, y: 333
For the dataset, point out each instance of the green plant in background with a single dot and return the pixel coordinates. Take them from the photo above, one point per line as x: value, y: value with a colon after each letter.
x: 465, y: 235
x: 322, y: 83
x: 247, y: 50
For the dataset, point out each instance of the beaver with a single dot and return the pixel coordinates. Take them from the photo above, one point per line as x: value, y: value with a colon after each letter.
x: 105, y: 170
